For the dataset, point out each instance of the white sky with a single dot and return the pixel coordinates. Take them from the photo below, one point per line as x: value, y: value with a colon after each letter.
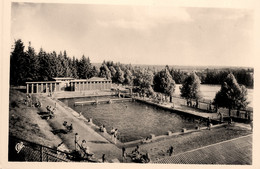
x: 138, y: 34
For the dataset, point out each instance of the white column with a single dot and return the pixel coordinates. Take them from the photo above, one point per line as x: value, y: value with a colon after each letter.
x: 37, y: 88
x: 27, y: 88
x: 51, y: 87
x: 32, y: 87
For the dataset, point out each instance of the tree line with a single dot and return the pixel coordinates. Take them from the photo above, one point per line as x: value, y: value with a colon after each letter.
x: 31, y: 66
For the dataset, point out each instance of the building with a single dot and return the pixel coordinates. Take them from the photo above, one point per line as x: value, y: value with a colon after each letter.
x: 67, y: 83
x: 43, y: 87
x: 94, y: 83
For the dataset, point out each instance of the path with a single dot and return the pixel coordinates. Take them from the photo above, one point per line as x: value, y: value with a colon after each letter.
x: 97, y: 144
x: 179, y: 107
x: 235, y: 151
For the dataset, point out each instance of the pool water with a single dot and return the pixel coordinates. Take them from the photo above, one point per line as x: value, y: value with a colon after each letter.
x: 134, y: 120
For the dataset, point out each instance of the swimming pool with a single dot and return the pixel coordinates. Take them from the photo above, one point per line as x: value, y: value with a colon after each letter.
x: 134, y: 120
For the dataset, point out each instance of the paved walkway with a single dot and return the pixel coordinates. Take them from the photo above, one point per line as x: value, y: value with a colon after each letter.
x: 97, y: 143
x: 235, y: 151
x: 180, y: 107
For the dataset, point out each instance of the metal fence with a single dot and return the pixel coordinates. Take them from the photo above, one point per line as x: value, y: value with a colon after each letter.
x: 23, y: 150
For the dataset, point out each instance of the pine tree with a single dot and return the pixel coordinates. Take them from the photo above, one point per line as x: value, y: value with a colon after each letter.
x: 17, y: 64
x: 31, y: 65
x: 84, y: 68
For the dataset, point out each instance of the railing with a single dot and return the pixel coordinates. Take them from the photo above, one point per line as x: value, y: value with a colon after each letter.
x: 207, y: 106
x: 29, y: 151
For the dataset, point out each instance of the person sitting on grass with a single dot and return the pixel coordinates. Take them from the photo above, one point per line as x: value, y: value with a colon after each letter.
x: 136, y: 150
x: 146, y: 140
x: 209, y: 123
x: 145, y: 158
x: 69, y: 128
x: 104, y: 129
x: 48, y: 108
x: 101, y: 128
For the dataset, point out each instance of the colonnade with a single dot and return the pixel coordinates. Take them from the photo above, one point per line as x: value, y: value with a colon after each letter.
x: 42, y: 87
x: 90, y: 85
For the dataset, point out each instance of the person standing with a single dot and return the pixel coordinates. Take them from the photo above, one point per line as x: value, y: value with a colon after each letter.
x: 76, y: 141
x: 251, y: 125
x: 170, y: 151
x: 124, y: 154
x: 115, y: 135
x: 220, y: 117
x: 103, y: 158
x: 209, y: 123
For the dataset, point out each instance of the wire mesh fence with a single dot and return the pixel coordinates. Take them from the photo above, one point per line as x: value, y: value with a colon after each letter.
x: 23, y: 150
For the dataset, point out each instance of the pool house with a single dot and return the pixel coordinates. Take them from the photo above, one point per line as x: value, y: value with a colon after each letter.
x: 66, y: 83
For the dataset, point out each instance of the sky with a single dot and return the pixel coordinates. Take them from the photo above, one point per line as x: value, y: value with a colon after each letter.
x: 141, y: 34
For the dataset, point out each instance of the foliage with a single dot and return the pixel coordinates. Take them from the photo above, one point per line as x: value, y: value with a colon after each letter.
x: 84, y: 68
x: 190, y: 88
x: 164, y: 83
x: 231, y: 95
x: 128, y: 77
x: 119, y: 75
x: 104, y: 71
x: 143, y: 82
x: 27, y: 65
x: 16, y: 64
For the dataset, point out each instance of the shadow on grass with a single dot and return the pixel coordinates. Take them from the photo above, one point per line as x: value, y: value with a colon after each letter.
x: 43, y: 113
x: 59, y: 131
x: 99, y: 142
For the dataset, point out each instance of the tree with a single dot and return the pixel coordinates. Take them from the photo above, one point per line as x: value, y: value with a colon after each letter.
x: 164, y: 83
x: 190, y: 88
x: 94, y: 72
x: 31, y: 65
x: 73, y: 67
x: 104, y: 71
x: 84, y: 68
x: 128, y: 77
x: 66, y: 66
x: 45, y: 60
x: 231, y: 95
x: 177, y: 75
x: 143, y: 82
x: 16, y: 63
x: 119, y: 75
x: 113, y: 73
